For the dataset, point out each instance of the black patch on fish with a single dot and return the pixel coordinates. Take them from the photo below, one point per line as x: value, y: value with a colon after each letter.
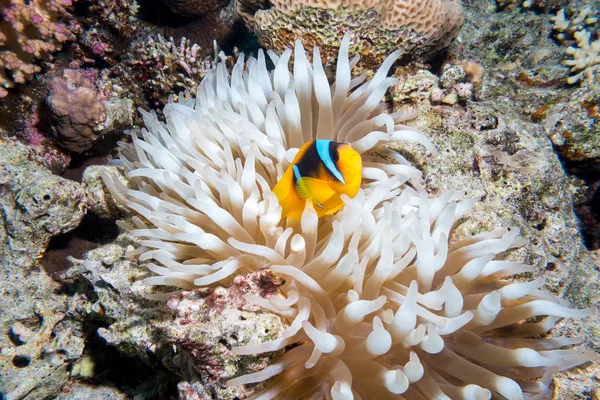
x: 333, y: 152
x: 311, y: 164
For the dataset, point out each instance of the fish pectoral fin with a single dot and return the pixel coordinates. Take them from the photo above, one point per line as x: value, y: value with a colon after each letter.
x: 316, y: 190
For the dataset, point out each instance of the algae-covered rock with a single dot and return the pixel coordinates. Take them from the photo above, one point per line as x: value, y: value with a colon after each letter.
x: 191, y: 335
x: 81, y: 391
x: 573, y: 126
x: 99, y: 200
x: 38, y: 340
x: 36, y: 204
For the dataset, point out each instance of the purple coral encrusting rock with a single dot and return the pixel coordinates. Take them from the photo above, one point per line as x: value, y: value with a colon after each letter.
x: 31, y: 30
x: 76, y: 110
x: 210, y: 321
x: 194, y: 338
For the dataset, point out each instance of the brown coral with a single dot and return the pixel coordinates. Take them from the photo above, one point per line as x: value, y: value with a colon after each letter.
x: 76, y: 110
x: 30, y: 30
x: 418, y: 28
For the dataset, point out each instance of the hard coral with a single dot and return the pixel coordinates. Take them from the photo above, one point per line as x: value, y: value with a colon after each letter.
x: 31, y: 30
x: 76, y: 110
x: 378, y: 302
x: 578, y: 27
x: 419, y: 28
x: 585, y: 56
x: 165, y: 67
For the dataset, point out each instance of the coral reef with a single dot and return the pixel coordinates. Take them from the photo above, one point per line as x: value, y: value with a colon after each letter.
x: 491, y: 130
x: 107, y: 29
x: 120, y: 15
x: 418, y: 28
x: 537, y: 4
x: 585, y: 56
x: 454, y: 86
x: 533, y: 84
x: 31, y: 31
x: 567, y: 26
x: 376, y: 299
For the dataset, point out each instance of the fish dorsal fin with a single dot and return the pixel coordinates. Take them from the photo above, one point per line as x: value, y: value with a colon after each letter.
x: 325, y: 155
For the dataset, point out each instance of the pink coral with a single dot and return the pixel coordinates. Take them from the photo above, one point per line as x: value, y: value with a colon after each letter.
x: 31, y: 30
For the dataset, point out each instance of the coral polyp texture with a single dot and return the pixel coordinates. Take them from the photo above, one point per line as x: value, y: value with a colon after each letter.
x: 380, y: 301
x: 30, y: 30
x: 419, y: 28
x: 75, y: 109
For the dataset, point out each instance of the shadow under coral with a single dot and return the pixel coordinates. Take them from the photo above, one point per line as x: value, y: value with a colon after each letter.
x: 91, y: 233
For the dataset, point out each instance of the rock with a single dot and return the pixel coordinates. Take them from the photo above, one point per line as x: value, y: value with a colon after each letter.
x: 40, y: 340
x: 208, y: 322
x: 99, y: 200
x: 83, y: 391
x: 192, y: 337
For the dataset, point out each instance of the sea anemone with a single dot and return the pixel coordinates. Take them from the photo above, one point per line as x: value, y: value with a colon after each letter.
x: 378, y: 305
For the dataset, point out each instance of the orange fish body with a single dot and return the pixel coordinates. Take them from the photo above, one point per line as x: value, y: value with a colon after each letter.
x: 321, y: 172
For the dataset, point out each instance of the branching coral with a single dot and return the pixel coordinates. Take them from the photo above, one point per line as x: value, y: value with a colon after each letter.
x: 30, y: 30
x: 166, y: 67
x: 208, y: 21
x: 586, y: 54
x: 567, y: 26
x: 379, y: 305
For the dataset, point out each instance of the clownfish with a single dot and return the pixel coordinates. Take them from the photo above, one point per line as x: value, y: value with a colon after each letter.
x: 321, y: 172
